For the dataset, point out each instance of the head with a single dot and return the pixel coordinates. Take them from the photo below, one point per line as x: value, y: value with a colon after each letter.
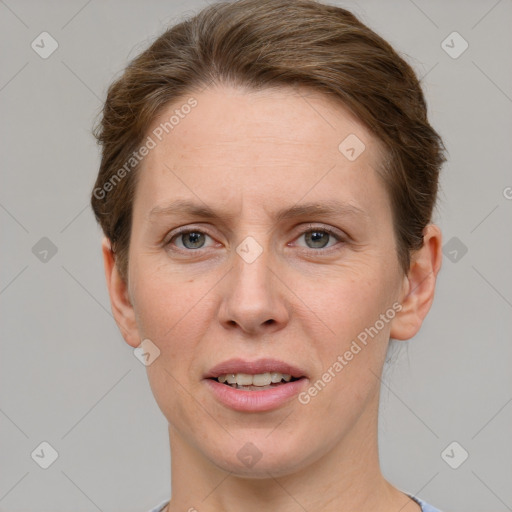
x: 278, y: 120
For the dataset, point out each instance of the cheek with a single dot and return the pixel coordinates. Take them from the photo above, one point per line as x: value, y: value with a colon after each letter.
x: 348, y: 300
x: 351, y: 338
x: 173, y: 312
x: 164, y: 301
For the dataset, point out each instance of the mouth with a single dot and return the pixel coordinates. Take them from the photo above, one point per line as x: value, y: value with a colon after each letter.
x: 256, y: 382
x: 255, y: 386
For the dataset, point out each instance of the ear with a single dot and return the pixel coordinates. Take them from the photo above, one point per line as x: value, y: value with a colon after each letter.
x: 120, y: 302
x: 419, y: 285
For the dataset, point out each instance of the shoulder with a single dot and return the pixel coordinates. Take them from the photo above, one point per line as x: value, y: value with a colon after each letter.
x: 425, y: 507
x: 159, y: 507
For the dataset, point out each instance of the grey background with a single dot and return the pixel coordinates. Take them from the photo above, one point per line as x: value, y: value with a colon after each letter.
x: 68, y: 378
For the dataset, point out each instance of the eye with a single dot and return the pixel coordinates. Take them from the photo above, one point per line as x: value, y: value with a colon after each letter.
x: 319, y: 237
x: 191, y: 239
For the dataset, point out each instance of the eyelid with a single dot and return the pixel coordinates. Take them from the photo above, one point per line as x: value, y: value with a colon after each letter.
x: 336, y: 233
x: 340, y: 235
x: 323, y: 227
x: 184, y: 229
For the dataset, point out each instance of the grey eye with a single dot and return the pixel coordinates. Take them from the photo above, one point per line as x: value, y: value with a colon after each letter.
x: 192, y: 239
x: 318, y: 238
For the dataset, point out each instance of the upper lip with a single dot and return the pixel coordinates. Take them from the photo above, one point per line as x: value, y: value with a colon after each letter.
x: 254, y: 367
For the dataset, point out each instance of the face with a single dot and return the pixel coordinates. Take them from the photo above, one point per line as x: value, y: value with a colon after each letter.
x: 282, y: 248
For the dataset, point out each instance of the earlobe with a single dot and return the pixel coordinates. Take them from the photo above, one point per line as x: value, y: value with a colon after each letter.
x: 120, y: 302
x: 419, y: 285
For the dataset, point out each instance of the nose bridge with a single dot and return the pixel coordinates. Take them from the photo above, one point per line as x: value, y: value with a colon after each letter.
x: 252, y: 297
x: 252, y: 265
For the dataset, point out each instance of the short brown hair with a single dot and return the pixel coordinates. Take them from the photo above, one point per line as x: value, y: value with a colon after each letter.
x: 260, y: 44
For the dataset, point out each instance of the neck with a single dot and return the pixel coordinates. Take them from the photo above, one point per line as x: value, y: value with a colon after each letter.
x: 345, y: 478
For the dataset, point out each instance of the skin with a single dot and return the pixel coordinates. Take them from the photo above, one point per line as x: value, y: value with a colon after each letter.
x: 249, y: 154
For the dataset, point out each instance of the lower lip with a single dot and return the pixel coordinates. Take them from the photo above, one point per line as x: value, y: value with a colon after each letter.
x: 255, y: 401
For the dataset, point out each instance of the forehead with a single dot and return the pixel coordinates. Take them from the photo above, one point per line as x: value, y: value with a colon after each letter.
x: 265, y: 145
x: 284, y: 116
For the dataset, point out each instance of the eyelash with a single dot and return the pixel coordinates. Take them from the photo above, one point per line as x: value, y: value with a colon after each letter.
x: 341, y: 239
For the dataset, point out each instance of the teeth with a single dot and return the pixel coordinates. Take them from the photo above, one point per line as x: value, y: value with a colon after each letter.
x: 260, y: 379
x: 276, y: 377
x: 244, y: 379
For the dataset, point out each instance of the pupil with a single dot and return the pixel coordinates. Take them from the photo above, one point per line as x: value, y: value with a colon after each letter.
x: 192, y: 237
x: 316, y: 236
x: 320, y: 238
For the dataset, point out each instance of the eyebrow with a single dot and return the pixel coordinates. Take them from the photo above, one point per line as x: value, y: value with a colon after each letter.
x: 332, y: 208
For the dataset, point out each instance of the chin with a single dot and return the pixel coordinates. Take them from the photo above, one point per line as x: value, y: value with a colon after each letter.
x: 256, y: 456
x: 261, y: 470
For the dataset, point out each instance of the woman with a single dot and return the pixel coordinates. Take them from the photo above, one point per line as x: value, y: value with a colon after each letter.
x: 266, y: 190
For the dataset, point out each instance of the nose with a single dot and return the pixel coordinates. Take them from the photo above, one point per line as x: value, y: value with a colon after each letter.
x: 254, y: 297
